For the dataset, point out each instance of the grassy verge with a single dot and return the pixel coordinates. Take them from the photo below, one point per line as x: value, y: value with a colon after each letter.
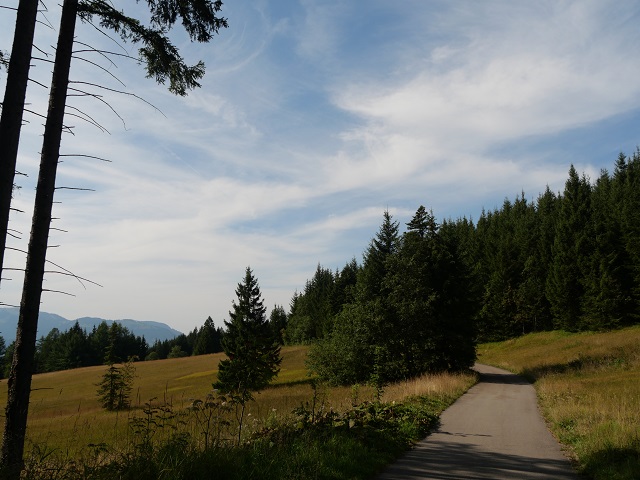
x: 588, y: 385
x: 295, y: 429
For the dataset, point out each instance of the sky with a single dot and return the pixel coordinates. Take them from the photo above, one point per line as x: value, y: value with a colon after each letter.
x: 313, y: 118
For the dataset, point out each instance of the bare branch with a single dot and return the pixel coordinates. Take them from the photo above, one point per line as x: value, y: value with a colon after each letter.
x: 58, y: 291
x: 42, y: 59
x: 35, y: 113
x: 86, y: 115
x: 120, y: 92
x: 74, y: 276
x: 89, y: 121
x: 75, y: 188
x: 101, y: 68
x: 64, y: 270
x: 8, y: 304
x: 59, y: 230
x: 86, y: 156
x: 38, y: 83
x: 95, y: 50
x: 98, y: 97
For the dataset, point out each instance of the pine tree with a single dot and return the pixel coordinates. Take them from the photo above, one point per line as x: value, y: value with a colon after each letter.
x: 571, y: 250
x: 385, y: 243
x: 114, y: 390
x: 208, y: 339
x: 253, y: 352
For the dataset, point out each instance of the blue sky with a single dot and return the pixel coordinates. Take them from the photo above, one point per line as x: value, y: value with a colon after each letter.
x: 313, y: 118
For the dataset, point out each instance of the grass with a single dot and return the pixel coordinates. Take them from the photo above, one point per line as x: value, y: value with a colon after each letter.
x: 588, y: 385
x: 344, y: 434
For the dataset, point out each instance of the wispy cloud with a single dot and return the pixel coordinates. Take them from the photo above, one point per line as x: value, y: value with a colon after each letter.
x: 312, y: 119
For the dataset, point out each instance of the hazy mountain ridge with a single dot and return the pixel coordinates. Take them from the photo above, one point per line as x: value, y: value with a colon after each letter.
x: 151, y: 330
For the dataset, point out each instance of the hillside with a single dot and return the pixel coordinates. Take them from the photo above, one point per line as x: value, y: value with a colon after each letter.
x: 151, y: 331
x: 588, y: 386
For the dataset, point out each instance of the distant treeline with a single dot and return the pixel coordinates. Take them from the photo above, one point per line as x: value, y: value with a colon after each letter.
x: 568, y: 260
x: 76, y: 347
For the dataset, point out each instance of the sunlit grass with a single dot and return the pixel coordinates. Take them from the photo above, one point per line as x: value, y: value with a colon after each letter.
x: 65, y: 413
x: 589, y: 390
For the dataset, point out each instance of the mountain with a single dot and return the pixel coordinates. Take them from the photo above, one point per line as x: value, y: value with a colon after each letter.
x: 151, y: 331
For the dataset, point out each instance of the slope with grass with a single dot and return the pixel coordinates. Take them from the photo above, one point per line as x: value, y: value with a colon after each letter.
x: 296, y: 428
x: 588, y: 385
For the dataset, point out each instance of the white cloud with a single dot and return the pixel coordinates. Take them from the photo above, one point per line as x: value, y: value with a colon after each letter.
x: 313, y: 118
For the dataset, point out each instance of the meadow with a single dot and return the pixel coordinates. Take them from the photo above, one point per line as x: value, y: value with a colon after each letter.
x: 68, y: 426
x: 588, y: 387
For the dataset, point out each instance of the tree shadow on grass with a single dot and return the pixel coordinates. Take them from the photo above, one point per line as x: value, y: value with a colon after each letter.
x: 614, y: 463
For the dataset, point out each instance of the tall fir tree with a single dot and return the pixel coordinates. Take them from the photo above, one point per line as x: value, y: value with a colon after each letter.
x: 571, y: 250
x: 382, y: 246
x: 253, y: 354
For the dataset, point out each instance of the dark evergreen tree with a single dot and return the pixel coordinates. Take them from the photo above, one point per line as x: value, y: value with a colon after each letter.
x: 428, y: 281
x: 345, y: 286
x: 312, y: 311
x: 571, y: 250
x: 208, y: 339
x: 253, y: 354
x: 608, y: 288
x: 278, y: 323
x: 374, y: 269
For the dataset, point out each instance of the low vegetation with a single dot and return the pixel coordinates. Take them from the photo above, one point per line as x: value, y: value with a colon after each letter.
x: 176, y: 428
x: 588, y: 387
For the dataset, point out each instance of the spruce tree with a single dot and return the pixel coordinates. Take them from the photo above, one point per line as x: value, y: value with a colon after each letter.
x: 253, y: 354
x: 571, y: 250
x: 384, y: 244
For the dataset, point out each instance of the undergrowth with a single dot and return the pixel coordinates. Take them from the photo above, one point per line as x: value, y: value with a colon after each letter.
x: 314, y: 442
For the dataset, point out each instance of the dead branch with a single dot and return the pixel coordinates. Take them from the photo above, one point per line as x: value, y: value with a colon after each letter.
x: 40, y: 50
x: 58, y: 291
x: 74, y: 276
x: 89, y: 121
x: 59, y: 230
x: 103, y: 53
x: 76, y: 188
x: 42, y: 59
x: 38, y: 83
x: 101, y: 68
x: 35, y: 113
x: 98, y: 97
x: 86, y: 156
x: 120, y: 92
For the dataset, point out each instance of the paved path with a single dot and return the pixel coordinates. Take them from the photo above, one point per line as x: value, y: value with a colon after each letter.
x: 494, y: 431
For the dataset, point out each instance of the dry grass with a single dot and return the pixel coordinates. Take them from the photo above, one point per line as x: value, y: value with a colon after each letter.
x: 65, y: 413
x: 589, y: 390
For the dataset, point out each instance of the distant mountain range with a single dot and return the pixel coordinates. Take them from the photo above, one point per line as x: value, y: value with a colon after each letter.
x: 151, y: 331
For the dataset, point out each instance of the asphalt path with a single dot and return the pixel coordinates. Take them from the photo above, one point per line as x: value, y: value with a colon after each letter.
x: 494, y: 431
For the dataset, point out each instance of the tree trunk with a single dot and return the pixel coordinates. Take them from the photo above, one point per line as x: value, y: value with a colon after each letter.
x: 13, y: 108
x: 23, y: 359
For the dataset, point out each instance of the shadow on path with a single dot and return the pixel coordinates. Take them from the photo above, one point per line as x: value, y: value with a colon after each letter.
x: 451, y: 460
